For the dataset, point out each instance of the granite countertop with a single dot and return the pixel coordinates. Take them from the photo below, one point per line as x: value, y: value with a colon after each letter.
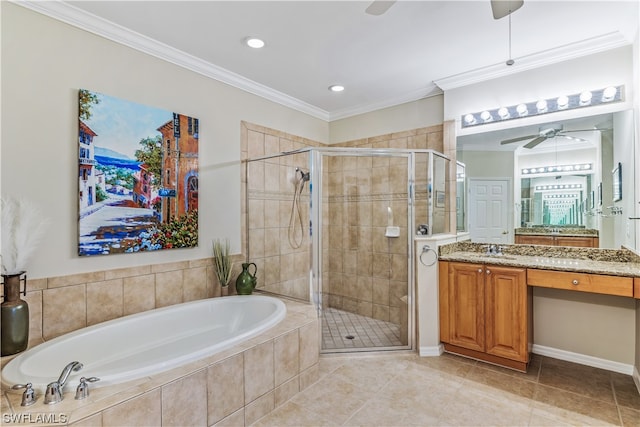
x: 557, y: 231
x: 583, y: 260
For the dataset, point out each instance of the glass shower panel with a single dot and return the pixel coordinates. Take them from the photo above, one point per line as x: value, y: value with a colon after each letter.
x: 277, y: 223
x: 364, y: 246
x: 441, y: 203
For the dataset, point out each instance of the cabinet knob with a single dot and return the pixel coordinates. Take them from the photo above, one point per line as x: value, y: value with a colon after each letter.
x: 479, y: 270
x: 488, y: 271
x: 575, y: 281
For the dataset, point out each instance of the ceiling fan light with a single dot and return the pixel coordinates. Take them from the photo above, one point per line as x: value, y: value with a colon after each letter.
x: 562, y: 102
x: 609, y: 94
x: 504, y: 113
x: 541, y: 106
x: 486, y: 116
x: 336, y: 88
x: 585, y: 98
x: 522, y: 110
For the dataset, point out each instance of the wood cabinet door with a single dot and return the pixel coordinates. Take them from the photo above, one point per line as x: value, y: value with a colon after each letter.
x: 506, y: 312
x: 466, y: 305
x: 575, y: 241
x: 534, y: 240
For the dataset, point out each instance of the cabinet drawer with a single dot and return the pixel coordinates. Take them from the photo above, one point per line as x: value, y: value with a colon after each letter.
x: 595, y: 283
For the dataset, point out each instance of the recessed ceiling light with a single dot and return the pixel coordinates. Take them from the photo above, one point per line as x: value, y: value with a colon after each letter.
x: 254, y: 42
x: 336, y: 88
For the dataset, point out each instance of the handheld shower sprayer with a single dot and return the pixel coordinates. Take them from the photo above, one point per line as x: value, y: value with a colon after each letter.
x: 304, y: 176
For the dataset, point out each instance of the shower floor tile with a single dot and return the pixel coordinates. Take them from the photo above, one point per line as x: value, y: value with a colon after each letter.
x: 341, y: 329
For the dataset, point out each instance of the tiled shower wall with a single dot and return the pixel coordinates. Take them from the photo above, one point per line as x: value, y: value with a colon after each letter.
x: 282, y: 266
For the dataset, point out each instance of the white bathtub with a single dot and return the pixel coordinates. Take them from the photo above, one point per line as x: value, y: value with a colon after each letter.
x: 142, y: 344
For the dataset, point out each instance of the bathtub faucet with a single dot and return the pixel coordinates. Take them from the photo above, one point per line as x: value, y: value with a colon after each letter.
x: 54, y: 389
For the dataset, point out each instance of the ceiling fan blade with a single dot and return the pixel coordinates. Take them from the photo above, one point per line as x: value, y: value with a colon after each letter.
x: 520, y: 138
x: 535, y: 142
x: 502, y: 8
x: 378, y: 7
x: 584, y: 130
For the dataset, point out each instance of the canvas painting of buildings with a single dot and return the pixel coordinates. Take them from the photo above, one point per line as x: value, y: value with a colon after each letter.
x: 137, y: 175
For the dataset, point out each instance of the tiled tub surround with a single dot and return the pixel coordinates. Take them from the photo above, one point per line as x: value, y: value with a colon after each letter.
x: 234, y: 387
x: 615, y: 262
x: 62, y: 304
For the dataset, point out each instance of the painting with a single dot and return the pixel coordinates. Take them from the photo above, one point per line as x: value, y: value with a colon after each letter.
x: 138, y: 177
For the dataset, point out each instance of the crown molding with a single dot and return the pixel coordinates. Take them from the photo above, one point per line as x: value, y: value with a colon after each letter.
x: 426, y: 92
x: 79, y: 18
x: 540, y: 59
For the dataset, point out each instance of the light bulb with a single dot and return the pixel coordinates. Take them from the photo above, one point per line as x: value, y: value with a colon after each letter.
x: 486, y: 116
x: 609, y: 93
x: 522, y: 110
x: 563, y: 102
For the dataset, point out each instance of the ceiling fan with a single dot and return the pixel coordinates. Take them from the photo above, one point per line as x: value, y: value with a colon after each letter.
x: 500, y: 8
x: 548, y: 133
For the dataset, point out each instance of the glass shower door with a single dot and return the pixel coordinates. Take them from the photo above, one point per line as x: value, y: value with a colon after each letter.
x: 362, y: 265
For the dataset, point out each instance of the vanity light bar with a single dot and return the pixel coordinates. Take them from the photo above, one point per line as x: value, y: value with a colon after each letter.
x: 561, y: 196
x: 559, y: 187
x: 583, y: 99
x: 552, y: 169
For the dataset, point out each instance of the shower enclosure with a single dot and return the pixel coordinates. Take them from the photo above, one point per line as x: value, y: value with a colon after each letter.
x: 334, y: 226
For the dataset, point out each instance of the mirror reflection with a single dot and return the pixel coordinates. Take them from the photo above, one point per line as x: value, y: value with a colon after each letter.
x: 548, y: 183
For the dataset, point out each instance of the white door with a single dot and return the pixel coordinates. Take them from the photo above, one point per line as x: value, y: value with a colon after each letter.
x: 489, y: 210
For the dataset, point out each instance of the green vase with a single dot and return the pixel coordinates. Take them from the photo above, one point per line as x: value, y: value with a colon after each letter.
x: 15, y: 316
x: 246, y: 282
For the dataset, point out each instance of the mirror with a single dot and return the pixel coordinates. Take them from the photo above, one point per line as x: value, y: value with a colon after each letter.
x: 557, y: 175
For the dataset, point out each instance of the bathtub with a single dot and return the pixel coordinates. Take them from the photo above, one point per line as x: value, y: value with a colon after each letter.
x: 146, y: 343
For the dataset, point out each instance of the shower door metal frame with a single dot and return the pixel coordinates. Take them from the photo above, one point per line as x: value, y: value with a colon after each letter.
x: 316, y: 287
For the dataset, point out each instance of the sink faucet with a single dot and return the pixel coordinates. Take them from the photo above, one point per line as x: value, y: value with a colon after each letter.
x: 493, y: 249
x: 54, y: 389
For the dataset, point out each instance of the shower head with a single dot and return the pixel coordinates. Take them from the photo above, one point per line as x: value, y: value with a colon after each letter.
x: 303, y: 175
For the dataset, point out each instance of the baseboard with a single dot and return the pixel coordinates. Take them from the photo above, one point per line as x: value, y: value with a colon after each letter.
x: 636, y: 378
x: 584, y: 359
x: 435, y: 350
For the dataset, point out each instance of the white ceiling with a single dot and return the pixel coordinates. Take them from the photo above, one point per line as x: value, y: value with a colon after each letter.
x: 382, y: 60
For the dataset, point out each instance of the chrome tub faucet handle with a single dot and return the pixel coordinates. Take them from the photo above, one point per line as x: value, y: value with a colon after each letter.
x: 54, y: 389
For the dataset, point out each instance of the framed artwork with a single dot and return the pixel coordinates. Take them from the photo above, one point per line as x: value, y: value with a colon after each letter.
x: 617, y: 183
x: 137, y: 175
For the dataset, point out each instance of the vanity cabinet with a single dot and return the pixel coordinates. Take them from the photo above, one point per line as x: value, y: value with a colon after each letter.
x: 574, y: 241
x: 485, y: 312
x: 583, y: 282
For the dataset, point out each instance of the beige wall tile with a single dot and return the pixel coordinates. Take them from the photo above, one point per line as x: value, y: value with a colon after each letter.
x: 169, y: 266
x: 139, y: 293
x: 34, y: 299
x: 104, y: 301
x: 127, y: 272
x: 144, y: 410
x: 309, y: 345
x: 258, y: 371
x: 36, y: 284
x: 63, y: 310
x: 168, y: 288
x: 286, y: 348
x: 184, y: 402
x: 234, y: 420
x: 194, y: 284
x: 287, y: 390
x: 259, y: 408
x: 74, y: 279
x: 225, y: 388
x: 309, y: 376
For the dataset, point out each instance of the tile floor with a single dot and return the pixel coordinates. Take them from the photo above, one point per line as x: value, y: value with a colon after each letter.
x: 407, y: 390
x: 337, y: 325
